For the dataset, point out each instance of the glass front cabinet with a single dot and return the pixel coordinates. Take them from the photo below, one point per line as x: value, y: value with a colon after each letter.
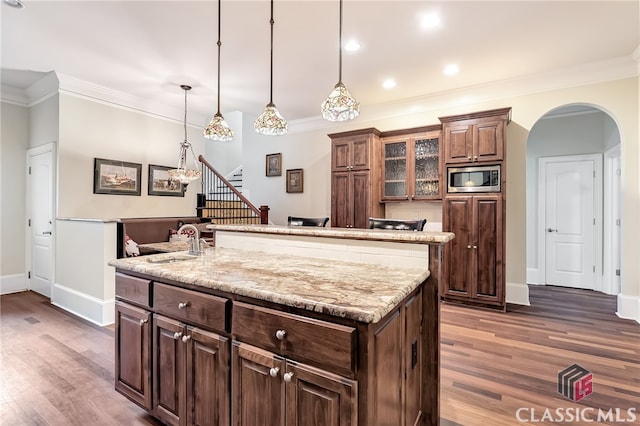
x: 412, y: 166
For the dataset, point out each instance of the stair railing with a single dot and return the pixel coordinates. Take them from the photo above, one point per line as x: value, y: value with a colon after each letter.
x: 222, y: 203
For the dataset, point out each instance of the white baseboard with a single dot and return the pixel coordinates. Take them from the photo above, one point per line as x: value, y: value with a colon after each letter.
x: 629, y: 307
x: 517, y: 294
x: 97, y: 311
x: 13, y: 283
x: 533, y: 276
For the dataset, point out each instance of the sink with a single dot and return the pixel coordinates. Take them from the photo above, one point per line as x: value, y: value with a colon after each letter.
x: 171, y: 259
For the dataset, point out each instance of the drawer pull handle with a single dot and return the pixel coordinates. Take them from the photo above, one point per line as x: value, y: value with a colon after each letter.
x: 274, y: 372
x: 143, y: 321
x: 185, y: 339
x: 288, y: 377
x: 177, y: 335
x: 183, y: 305
x: 280, y: 334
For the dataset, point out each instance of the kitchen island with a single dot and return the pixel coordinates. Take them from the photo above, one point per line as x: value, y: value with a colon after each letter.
x: 255, y: 337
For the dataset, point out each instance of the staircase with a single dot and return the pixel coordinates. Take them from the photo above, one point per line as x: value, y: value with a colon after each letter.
x: 221, y: 200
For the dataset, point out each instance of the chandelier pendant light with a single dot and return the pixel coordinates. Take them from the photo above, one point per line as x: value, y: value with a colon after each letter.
x: 340, y: 105
x: 183, y: 173
x: 270, y: 122
x: 218, y: 129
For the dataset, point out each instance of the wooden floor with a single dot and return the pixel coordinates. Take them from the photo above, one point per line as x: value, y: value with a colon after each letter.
x: 56, y: 369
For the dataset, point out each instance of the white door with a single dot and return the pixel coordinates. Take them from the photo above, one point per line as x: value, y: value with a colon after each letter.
x: 40, y: 210
x: 570, y: 223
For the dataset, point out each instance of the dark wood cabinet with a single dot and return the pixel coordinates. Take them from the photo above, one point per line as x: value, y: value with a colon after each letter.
x: 476, y: 137
x: 475, y: 268
x: 268, y: 386
x: 132, y: 353
x: 355, y: 178
x: 411, y: 165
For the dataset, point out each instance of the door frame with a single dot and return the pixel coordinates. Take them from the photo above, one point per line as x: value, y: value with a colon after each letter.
x: 48, y: 147
x: 598, y: 202
x: 611, y: 282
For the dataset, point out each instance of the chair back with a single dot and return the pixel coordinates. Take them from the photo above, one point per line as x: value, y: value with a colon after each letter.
x: 307, y: 221
x: 397, y: 224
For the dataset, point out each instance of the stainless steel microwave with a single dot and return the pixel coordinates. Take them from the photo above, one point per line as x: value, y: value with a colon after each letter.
x: 473, y: 179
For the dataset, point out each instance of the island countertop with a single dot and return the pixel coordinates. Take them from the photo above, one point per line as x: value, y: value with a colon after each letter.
x: 354, y: 290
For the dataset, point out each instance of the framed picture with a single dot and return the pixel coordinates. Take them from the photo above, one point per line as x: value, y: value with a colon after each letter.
x: 116, y: 177
x: 274, y: 164
x: 161, y: 184
x: 294, y: 180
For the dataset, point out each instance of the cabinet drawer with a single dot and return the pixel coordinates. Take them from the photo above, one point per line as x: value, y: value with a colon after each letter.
x: 191, y: 306
x: 136, y: 290
x: 307, y: 339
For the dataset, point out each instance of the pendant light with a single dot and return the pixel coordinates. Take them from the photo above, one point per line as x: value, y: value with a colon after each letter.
x: 218, y: 129
x: 340, y: 105
x: 270, y: 121
x: 183, y: 173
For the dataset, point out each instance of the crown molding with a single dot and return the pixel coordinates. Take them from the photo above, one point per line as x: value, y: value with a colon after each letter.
x: 13, y: 95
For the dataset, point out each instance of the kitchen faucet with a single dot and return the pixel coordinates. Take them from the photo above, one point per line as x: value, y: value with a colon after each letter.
x: 194, y: 241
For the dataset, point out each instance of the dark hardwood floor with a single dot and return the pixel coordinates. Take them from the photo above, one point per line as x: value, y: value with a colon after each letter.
x: 56, y: 369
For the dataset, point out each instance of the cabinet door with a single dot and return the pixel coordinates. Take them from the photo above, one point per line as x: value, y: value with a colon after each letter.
x: 340, y: 155
x: 360, y: 198
x: 341, y: 203
x: 459, y: 253
x: 488, y: 137
x: 132, y: 353
x: 396, y: 166
x: 257, y: 391
x: 412, y: 357
x: 458, y: 143
x: 168, y: 367
x: 360, y: 158
x: 207, y: 378
x: 316, y: 397
x: 425, y: 169
x: 488, y: 240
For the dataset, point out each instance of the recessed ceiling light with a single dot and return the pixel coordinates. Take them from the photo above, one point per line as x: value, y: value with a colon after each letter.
x: 430, y: 20
x: 14, y: 3
x: 352, y: 46
x: 451, y: 69
x: 389, y: 83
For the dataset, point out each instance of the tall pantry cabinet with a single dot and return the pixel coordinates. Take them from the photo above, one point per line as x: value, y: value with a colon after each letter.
x: 474, y: 266
x: 355, y: 178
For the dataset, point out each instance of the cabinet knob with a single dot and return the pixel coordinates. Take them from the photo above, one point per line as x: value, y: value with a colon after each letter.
x: 185, y: 339
x: 143, y: 321
x: 469, y: 246
x: 177, y: 335
x: 475, y: 247
x: 274, y: 372
x: 469, y: 158
x: 287, y: 377
x: 476, y: 157
x: 183, y: 305
x: 280, y: 334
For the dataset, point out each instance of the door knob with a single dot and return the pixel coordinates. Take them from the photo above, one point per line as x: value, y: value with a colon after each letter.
x: 551, y: 230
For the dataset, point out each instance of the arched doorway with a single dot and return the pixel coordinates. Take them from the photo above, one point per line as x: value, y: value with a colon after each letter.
x: 573, y: 199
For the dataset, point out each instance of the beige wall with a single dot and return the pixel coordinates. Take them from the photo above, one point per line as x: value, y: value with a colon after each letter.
x: 43, y: 122
x: 14, y: 142
x: 90, y: 129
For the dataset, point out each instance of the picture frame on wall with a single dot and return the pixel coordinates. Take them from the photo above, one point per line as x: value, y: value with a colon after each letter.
x: 295, y: 180
x: 159, y: 182
x: 274, y: 164
x: 116, y: 177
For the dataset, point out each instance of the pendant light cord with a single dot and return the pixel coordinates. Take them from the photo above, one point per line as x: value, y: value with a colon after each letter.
x: 271, y: 22
x: 185, y: 113
x: 219, y: 45
x: 340, y: 54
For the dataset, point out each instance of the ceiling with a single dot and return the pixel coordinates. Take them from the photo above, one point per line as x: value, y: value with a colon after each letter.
x: 146, y: 49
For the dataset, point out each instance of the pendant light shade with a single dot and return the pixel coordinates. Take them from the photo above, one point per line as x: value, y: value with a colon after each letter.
x: 218, y: 129
x: 183, y: 173
x: 271, y: 121
x: 340, y: 105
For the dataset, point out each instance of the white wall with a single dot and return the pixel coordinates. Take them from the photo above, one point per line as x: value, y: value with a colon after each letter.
x: 43, y: 121
x: 14, y: 142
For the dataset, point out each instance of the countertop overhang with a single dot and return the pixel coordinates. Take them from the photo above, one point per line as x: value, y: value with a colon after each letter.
x: 354, y: 290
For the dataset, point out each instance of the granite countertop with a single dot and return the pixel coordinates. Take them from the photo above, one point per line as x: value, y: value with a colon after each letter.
x: 358, y: 291
x: 345, y: 233
x: 166, y: 246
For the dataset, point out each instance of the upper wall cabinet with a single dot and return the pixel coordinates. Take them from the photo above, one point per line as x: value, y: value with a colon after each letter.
x: 476, y: 137
x: 411, y: 164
